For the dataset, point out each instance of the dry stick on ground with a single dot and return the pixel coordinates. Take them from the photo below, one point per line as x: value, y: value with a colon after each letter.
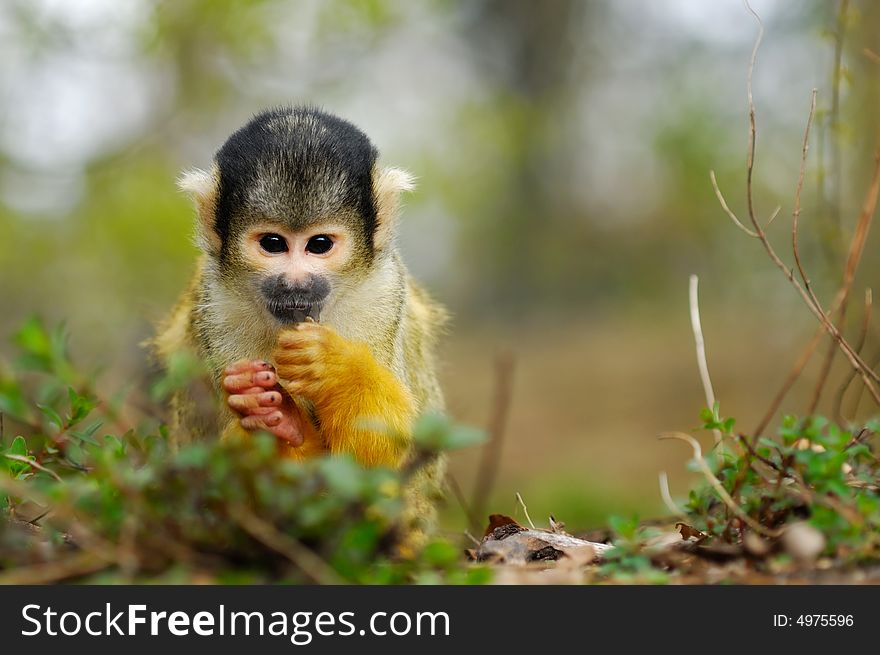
x: 868, y: 376
x: 719, y: 488
x: 863, y: 338
x: 303, y: 558
x: 673, y: 507
x: 73, y: 566
x: 525, y: 510
x: 473, y: 521
x: 491, y: 456
x: 702, y: 364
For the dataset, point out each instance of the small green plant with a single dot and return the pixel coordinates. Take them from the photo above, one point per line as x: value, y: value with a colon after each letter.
x: 107, y: 502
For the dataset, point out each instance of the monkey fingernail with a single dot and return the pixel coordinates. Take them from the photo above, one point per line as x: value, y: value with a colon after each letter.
x: 270, y: 399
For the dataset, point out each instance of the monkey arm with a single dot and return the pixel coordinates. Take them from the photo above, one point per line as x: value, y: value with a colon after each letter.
x: 361, y: 407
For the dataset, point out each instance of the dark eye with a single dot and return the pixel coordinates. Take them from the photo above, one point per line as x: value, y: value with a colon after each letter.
x: 273, y: 243
x: 319, y: 244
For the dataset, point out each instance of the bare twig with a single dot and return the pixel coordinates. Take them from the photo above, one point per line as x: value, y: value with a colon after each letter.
x: 834, y: 117
x: 73, y: 566
x: 491, y: 455
x: 733, y: 217
x: 305, y: 559
x: 856, y: 250
x: 863, y: 338
x: 33, y: 464
x: 792, y: 377
x: 857, y: 247
x: 869, y: 377
x: 671, y: 505
x: 859, y: 393
x: 719, y: 488
x: 473, y: 521
x: 796, y: 211
x: 701, y: 350
x: 525, y: 510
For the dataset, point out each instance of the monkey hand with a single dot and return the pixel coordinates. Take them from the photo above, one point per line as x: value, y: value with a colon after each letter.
x: 361, y: 407
x: 256, y: 397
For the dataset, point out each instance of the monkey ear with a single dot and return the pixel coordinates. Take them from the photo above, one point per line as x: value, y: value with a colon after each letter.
x: 202, y: 187
x: 388, y: 184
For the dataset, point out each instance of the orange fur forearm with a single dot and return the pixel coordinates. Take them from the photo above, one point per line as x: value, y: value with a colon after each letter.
x: 361, y: 407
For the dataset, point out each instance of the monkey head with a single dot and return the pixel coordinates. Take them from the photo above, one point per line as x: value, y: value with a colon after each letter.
x: 295, y: 211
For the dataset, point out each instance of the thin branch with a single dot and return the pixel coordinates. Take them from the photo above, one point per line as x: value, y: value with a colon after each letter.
x: 491, y: 455
x: 525, y: 510
x: 671, y: 505
x: 792, y: 377
x: 857, y: 247
x: 716, y: 484
x: 834, y: 117
x: 721, y: 201
x: 33, y: 464
x: 863, y: 338
x: 858, y: 401
x: 73, y: 566
x: 865, y: 372
x: 750, y: 157
x: 473, y: 521
x: 856, y: 250
x: 701, y: 350
x: 305, y: 559
x: 796, y: 211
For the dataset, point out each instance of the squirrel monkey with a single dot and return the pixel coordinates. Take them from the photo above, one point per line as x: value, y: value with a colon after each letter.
x: 306, y: 318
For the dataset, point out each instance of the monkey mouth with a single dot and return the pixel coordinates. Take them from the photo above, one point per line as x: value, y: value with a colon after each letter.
x: 289, y: 313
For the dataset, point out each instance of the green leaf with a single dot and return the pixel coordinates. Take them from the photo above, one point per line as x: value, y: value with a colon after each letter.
x: 441, y: 554
x: 437, y: 432
x: 87, y: 435
x: 18, y: 447
x: 12, y: 399
x: 343, y: 475
x: 80, y: 406
x: 53, y: 416
x: 34, y: 340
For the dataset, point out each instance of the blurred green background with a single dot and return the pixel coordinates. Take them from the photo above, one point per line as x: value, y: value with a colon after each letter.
x: 562, y: 150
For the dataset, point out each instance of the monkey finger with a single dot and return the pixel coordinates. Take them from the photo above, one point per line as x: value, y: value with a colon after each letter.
x: 307, y: 351
x: 297, y: 338
x: 299, y: 373
x: 262, y: 422
x: 289, y: 432
x: 245, y: 402
x: 302, y: 387
x: 243, y: 365
x: 259, y: 411
x: 239, y: 382
x: 275, y: 424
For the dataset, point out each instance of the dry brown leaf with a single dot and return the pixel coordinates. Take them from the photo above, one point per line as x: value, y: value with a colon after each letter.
x: 498, y: 521
x: 688, y: 532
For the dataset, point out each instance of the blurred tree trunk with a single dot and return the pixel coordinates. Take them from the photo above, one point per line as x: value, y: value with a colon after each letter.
x: 529, y: 52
